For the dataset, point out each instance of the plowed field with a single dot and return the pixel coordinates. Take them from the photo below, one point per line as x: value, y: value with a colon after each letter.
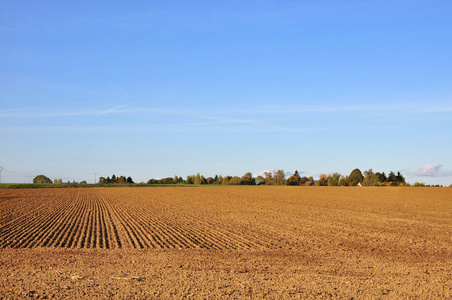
x: 235, y: 242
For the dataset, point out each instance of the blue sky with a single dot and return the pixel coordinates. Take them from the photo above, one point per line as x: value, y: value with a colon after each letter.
x: 152, y: 89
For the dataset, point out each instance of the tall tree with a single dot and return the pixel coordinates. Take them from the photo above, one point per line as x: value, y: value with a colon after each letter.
x: 121, y: 180
x: 333, y: 179
x: 382, y: 177
x: 268, y: 178
x: 399, y: 178
x: 190, y: 179
x: 370, y: 178
x: 225, y: 180
x: 392, y: 177
x: 198, y: 179
x: 356, y: 177
x: 280, y: 177
x: 247, y: 179
x: 323, y: 181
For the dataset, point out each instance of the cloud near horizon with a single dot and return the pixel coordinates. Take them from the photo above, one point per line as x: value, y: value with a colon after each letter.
x: 432, y: 170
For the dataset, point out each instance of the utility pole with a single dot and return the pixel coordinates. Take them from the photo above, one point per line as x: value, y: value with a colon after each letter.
x: 95, y: 174
x: 1, y: 169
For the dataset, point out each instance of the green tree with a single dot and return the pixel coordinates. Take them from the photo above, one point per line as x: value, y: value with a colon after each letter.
x: 292, y: 180
x: 198, y: 179
x: 355, y: 177
x: 303, y: 180
x: 225, y: 180
x: 268, y: 178
x: 382, y: 177
x: 400, y: 179
x: 323, y: 181
x: 42, y: 179
x: 190, y: 179
x: 236, y: 180
x: 370, y: 178
x: 248, y: 179
x: 167, y: 180
x: 333, y: 179
x: 279, y: 177
x: 344, y: 181
x: 392, y: 179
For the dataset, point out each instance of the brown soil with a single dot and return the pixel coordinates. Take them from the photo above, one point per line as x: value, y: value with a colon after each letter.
x: 226, y: 242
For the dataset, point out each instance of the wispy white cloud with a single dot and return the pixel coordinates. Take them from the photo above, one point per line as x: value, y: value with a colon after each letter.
x: 431, y: 170
x: 226, y: 113
x: 263, y: 118
x: 100, y: 114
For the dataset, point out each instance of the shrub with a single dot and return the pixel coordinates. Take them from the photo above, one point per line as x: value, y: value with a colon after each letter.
x: 42, y: 179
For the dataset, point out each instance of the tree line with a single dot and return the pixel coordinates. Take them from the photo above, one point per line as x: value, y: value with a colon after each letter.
x: 114, y: 179
x: 278, y: 178
x: 356, y: 177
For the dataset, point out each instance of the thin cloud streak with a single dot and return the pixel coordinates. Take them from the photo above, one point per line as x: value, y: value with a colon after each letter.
x: 100, y: 114
x: 404, y: 108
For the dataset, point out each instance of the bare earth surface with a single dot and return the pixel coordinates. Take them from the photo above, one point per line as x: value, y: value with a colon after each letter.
x: 226, y: 242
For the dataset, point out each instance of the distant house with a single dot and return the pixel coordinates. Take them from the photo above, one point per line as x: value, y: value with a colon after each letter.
x: 359, y: 184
